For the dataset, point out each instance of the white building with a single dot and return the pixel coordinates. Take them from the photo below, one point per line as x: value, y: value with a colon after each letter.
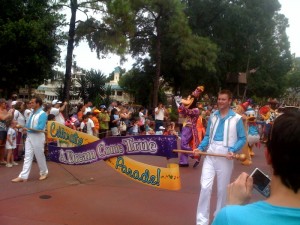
x: 48, y: 91
x: 117, y: 92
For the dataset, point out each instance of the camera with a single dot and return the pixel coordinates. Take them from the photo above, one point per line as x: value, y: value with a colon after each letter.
x: 261, y: 182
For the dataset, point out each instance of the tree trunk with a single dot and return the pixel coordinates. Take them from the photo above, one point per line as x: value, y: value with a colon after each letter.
x: 158, y: 64
x: 70, y: 48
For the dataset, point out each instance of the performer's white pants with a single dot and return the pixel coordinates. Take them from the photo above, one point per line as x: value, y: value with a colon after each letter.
x: 220, y: 166
x: 34, y: 145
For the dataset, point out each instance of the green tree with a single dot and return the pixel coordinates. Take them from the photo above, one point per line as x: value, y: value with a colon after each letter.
x: 138, y: 83
x: 249, y: 34
x: 293, y: 81
x: 153, y: 28
x: 92, y: 86
x: 162, y: 31
x: 82, y: 89
x: 95, y: 86
x: 101, y: 33
x: 29, y: 39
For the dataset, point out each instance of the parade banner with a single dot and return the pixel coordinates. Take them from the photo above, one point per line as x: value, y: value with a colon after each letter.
x: 156, y: 145
x: 67, y: 137
x: 76, y: 148
x: 166, y: 178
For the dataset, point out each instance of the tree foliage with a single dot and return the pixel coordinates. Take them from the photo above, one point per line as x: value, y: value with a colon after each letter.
x: 162, y: 33
x: 293, y: 81
x: 138, y: 82
x: 184, y: 43
x: 249, y: 34
x: 29, y: 39
x: 92, y: 86
x: 152, y: 28
x: 103, y: 34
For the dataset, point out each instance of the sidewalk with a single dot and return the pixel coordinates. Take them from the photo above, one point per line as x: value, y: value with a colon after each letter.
x: 96, y: 194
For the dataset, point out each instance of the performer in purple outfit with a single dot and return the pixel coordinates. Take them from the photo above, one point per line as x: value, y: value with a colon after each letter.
x: 189, y: 134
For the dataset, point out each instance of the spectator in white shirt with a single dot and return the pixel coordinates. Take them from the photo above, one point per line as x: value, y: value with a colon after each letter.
x: 57, y: 110
x: 159, y: 116
x: 87, y: 106
x: 87, y: 125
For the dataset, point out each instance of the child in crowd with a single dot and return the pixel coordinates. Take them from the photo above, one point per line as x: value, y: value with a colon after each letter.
x: 148, y: 128
x: 173, y: 130
x: 135, y: 127
x: 94, y: 118
x: 160, y: 130
x: 11, y: 143
x: 87, y: 125
x: 168, y: 130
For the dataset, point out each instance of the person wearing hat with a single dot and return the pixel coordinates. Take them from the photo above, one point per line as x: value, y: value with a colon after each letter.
x: 160, y: 130
x: 267, y: 112
x: 94, y: 117
x: 12, y: 101
x: 103, y: 121
x: 189, y: 134
x: 57, y: 110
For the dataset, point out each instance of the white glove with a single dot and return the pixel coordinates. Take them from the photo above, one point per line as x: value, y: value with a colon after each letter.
x: 177, y: 100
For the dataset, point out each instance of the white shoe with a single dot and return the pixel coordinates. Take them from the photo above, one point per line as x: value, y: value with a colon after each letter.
x: 8, y: 165
x: 3, y: 163
x: 14, y: 163
x: 18, y: 179
x: 43, y: 177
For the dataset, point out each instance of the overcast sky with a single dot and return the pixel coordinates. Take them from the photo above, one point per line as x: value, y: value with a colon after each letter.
x: 290, y: 8
x: 88, y: 60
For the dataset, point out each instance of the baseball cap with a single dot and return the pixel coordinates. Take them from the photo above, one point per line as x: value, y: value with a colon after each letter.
x: 56, y: 101
x: 102, y: 107
x: 13, y: 102
x: 161, y: 128
x: 96, y: 111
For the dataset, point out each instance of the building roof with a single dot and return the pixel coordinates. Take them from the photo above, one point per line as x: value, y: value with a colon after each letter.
x: 117, y: 69
x: 114, y: 86
x: 42, y: 88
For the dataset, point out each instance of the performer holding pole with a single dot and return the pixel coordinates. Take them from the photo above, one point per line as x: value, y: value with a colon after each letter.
x: 241, y: 157
x: 225, y: 135
x: 18, y: 126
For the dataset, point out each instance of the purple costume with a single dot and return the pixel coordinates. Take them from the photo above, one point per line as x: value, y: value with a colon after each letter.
x: 189, y: 132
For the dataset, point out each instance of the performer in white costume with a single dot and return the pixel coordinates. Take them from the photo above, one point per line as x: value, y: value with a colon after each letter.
x: 225, y: 134
x: 34, y: 145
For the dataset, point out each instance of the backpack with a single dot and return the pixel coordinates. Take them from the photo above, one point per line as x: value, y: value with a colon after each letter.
x: 84, y: 129
x: 123, y: 126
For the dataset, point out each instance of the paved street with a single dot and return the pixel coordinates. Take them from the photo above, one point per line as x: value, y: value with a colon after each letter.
x: 96, y: 194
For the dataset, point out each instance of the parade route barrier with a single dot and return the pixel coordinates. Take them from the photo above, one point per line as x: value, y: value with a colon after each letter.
x: 72, y: 147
